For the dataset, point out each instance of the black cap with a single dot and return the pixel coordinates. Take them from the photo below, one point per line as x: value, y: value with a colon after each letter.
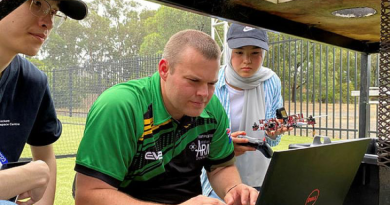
x: 239, y: 36
x: 7, y: 6
x: 75, y: 9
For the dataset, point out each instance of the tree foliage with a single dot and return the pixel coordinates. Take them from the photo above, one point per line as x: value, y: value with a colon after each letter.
x: 314, y: 72
x: 166, y: 22
x: 120, y: 29
x: 107, y: 44
x: 116, y: 29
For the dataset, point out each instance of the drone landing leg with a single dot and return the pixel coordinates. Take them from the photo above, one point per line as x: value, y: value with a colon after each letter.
x: 314, y: 131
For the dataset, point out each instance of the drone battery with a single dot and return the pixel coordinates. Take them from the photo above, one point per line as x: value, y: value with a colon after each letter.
x: 281, y: 113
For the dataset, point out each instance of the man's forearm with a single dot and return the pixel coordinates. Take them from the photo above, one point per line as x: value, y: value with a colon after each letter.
x: 222, y: 179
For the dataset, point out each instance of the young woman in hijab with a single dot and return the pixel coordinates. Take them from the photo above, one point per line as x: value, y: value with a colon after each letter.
x: 248, y: 92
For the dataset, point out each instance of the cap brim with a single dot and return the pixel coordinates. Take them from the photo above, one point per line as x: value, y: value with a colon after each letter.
x: 8, y: 6
x: 240, y: 42
x: 75, y: 9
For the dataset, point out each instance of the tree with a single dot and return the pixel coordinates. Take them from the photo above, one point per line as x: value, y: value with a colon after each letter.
x: 166, y: 22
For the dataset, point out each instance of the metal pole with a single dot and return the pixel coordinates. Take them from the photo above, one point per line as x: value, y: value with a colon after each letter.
x: 363, y: 103
x: 215, y: 23
x: 70, y: 93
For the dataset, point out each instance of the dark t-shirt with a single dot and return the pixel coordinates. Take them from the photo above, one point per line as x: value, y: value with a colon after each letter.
x: 27, y: 111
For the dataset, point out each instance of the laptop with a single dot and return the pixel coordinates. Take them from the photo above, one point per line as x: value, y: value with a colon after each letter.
x: 320, y: 175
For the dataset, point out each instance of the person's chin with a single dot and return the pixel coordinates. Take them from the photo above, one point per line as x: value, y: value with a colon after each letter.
x: 246, y: 75
x: 195, y: 112
x: 32, y: 51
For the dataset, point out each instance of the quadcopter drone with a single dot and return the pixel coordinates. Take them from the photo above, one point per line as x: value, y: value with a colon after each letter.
x: 296, y: 120
x: 272, y: 125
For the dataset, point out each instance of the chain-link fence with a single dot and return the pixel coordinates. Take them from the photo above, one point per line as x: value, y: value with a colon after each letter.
x: 317, y: 80
x: 75, y: 89
x: 323, y: 81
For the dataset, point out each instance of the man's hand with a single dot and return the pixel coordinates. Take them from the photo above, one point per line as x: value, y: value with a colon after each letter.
x: 202, y: 200
x: 241, y: 194
x: 274, y: 133
x: 240, y: 149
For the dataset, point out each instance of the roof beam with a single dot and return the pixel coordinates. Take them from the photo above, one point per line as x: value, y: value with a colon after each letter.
x: 225, y: 10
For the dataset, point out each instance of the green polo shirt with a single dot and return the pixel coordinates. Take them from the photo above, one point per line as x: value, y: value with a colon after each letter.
x: 131, y: 142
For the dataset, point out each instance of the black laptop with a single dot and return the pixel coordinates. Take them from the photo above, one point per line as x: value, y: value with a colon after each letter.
x: 320, y: 175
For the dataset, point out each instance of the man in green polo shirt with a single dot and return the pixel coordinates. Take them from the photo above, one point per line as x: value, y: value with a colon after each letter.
x: 146, y: 140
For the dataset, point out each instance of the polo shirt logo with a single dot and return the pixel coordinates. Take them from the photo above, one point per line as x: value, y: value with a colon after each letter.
x: 202, y: 149
x: 153, y: 155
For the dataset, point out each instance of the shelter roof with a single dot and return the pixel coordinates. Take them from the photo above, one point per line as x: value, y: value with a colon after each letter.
x: 309, y: 19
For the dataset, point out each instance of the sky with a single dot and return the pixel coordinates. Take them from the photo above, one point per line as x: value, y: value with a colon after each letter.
x: 144, y: 4
x: 148, y: 4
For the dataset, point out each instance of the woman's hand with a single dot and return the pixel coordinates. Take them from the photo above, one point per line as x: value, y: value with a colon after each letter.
x: 274, y: 133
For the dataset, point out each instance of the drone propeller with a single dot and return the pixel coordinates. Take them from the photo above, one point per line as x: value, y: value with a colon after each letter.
x: 319, y: 116
x: 313, y: 117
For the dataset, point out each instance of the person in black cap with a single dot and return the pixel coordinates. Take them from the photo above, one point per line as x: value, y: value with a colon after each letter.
x: 74, y: 9
x: 249, y: 92
x: 27, y: 111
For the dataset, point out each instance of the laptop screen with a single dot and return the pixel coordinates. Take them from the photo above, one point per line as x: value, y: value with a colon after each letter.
x: 319, y: 175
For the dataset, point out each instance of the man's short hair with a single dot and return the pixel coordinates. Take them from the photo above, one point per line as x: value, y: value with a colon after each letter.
x: 197, y: 40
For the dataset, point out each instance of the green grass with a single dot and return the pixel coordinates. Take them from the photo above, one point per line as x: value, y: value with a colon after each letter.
x: 65, y: 175
x: 72, y: 132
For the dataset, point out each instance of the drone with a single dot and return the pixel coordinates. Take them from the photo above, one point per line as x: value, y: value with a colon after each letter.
x: 296, y: 120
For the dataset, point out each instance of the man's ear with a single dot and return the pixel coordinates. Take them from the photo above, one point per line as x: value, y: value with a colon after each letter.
x: 163, y: 69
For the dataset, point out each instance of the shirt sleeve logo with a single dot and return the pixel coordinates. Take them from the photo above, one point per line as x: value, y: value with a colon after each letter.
x: 229, y: 135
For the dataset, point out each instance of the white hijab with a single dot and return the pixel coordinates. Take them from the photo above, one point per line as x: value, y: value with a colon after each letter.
x: 251, y: 165
x: 254, y: 103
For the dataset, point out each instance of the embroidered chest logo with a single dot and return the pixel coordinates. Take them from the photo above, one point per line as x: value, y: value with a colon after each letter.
x: 202, y: 149
x: 153, y: 155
